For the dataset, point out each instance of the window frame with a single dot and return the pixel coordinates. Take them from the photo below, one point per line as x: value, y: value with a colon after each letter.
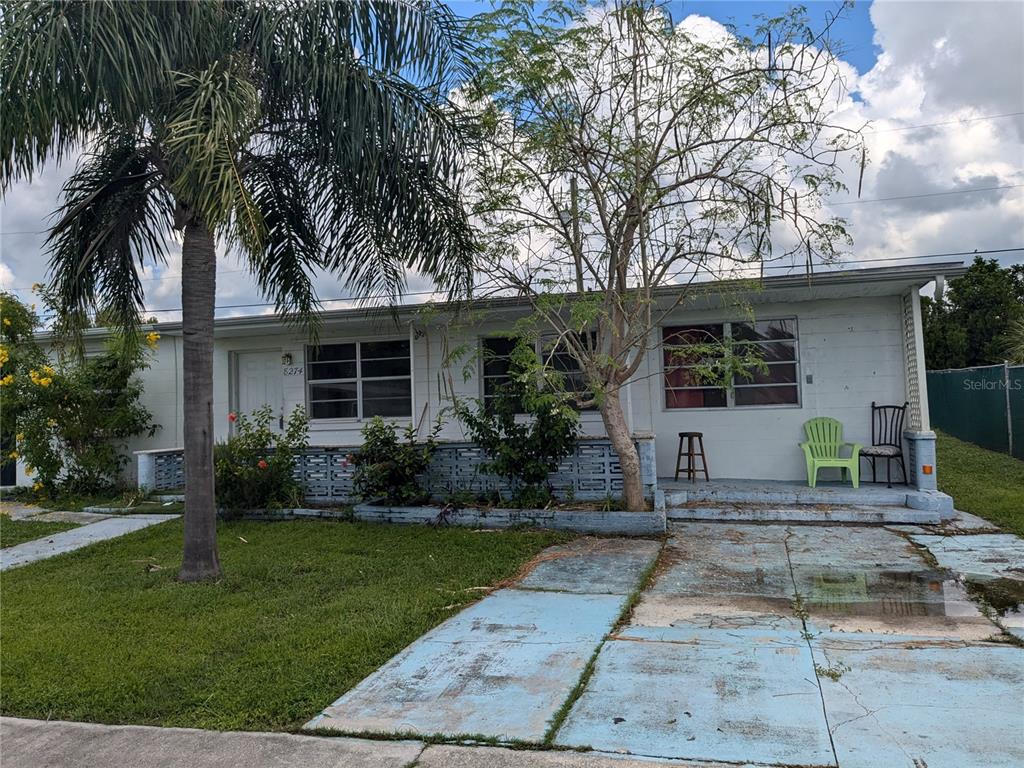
x: 358, y: 380
x: 730, y: 392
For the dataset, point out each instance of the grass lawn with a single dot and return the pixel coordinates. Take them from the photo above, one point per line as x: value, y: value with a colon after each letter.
x: 17, y: 531
x: 985, y: 483
x: 304, y: 612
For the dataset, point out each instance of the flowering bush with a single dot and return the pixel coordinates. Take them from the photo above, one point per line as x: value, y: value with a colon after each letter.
x: 386, y: 467
x: 73, y: 416
x: 254, y: 468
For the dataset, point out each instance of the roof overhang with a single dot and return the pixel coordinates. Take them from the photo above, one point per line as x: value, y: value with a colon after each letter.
x: 832, y: 284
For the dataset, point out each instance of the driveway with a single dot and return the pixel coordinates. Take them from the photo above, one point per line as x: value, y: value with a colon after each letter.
x: 764, y: 644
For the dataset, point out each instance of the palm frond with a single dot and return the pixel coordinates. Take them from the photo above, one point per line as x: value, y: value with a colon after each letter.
x: 290, y: 252
x: 113, y: 218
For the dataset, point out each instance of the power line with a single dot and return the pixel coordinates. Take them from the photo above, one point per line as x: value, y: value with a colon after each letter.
x: 987, y: 252
x: 945, y: 122
x: 925, y: 194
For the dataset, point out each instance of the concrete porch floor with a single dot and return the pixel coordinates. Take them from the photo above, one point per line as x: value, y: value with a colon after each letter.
x: 740, y: 499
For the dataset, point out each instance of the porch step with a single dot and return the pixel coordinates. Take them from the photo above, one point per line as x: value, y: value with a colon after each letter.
x: 804, y: 513
x: 726, y: 493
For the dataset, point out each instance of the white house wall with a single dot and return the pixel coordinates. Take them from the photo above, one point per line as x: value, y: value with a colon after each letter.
x: 851, y: 348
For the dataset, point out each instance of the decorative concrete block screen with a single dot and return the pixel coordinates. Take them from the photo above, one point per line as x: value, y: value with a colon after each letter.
x: 590, y: 473
x: 168, y: 470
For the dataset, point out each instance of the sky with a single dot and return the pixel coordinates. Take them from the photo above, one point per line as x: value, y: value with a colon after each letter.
x: 941, y: 85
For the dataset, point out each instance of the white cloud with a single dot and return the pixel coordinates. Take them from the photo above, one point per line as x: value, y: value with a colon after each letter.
x: 939, y: 62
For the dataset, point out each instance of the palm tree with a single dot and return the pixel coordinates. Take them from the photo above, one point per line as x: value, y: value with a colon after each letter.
x: 306, y: 135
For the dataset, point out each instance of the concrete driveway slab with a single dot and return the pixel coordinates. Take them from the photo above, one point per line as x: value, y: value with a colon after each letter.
x: 54, y: 744
x: 721, y: 575
x: 907, y: 702
x: 992, y: 555
x: 730, y: 696
x: 76, y: 538
x: 593, y: 566
x: 501, y: 668
x: 821, y: 547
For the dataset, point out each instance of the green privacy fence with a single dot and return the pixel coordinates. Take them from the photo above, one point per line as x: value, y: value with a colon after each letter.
x: 982, y: 405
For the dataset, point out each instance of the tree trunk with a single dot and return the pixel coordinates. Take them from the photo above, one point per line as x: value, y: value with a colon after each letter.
x: 629, y: 458
x: 198, y: 287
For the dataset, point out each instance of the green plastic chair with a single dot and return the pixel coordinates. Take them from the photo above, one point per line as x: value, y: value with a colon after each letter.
x: 824, y: 442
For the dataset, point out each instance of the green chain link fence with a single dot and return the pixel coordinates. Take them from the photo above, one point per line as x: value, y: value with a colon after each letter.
x: 983, y: 405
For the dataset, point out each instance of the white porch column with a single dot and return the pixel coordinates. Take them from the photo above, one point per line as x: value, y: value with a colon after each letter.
x: 921, y: 464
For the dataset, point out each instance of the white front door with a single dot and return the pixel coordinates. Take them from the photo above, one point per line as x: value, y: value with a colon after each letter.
x: 259, y: 383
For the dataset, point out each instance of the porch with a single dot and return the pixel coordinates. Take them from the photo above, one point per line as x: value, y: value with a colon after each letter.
x: 739, y: 499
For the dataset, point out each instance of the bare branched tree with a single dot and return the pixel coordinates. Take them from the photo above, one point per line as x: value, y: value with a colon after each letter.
x: 628, y: 158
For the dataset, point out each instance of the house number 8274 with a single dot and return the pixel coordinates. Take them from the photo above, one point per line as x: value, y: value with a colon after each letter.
x: 293, y: 371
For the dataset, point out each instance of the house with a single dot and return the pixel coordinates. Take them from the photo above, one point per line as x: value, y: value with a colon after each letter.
x: 835, y: 342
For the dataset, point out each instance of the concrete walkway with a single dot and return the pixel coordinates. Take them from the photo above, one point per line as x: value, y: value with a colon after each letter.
x: 76, y: 538
x: 37, y: 743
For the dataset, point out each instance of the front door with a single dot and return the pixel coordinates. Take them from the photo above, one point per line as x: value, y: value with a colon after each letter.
x: 259, y: 383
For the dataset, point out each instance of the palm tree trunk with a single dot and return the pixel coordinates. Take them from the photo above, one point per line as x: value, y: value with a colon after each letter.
x: 198, y: 286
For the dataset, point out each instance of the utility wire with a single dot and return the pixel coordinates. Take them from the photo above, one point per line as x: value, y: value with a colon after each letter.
x: 754, y: 265
x: 924, y: 194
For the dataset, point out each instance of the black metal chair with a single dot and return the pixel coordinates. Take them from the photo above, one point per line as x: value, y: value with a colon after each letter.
x: 886, y: 439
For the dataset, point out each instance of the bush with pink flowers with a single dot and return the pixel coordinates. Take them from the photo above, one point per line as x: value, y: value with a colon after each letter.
x: 255, y: 467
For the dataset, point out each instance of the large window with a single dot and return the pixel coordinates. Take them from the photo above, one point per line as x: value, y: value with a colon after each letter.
x: 689, y: 349
x: 359, y: 380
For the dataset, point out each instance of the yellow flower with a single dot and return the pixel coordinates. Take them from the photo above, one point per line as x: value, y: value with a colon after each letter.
x: 7, y: 380
x: 48, y: 370
x: 30, y: 471
x: 151, y: 339
x: 7, y: 322
x: 12, y: 455
x: 51, y: 422
x: 4, y: 355
x: 20, y: 436
x: 45, y: 382
x: 37, y: 486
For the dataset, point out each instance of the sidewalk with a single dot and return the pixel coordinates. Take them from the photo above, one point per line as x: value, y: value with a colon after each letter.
x: 37, y: 743
x: 76, y: 538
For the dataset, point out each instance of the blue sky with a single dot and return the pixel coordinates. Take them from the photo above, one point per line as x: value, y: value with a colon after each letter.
x: 854, y: 29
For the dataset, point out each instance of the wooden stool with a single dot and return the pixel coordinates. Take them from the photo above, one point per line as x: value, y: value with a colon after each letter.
x: 691, y: 466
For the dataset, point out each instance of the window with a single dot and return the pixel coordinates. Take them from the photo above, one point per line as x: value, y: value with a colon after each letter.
x: 774, y: 341
x: 573, y: 378
x: 497, y: 352
x: 497, y: 357
x: 359, y: 380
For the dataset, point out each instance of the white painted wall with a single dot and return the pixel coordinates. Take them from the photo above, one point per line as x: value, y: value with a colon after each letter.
x: 852, y: 349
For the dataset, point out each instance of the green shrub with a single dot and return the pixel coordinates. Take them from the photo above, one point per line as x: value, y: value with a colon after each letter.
x: 387, y: 468
x: 74, y: 416
x: 525, y: 451
x: 255, y: 467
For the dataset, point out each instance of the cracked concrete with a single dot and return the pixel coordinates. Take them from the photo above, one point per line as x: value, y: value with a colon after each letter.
x: 504, y: 666
x: 808, y: 645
